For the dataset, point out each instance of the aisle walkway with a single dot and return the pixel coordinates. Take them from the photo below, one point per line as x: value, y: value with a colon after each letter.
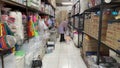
x: 65, y: 55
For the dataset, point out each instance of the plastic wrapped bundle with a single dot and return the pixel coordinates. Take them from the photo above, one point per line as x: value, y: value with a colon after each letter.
x: 33, y: 49
x: 11, y: 41
x: 42, y: 26
x: 20, y: 59
x: 17, y: 24
x: 7, y: 42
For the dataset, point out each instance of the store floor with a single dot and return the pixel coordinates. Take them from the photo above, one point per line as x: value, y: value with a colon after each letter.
x: 65, y: 55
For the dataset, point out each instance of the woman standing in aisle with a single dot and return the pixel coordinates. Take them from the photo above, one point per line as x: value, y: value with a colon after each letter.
x: 62, y: 28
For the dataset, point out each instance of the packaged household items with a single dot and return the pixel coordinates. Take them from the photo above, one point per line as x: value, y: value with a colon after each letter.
x: 7, y: 42
x: 105, y: 62
x: 20, y: 59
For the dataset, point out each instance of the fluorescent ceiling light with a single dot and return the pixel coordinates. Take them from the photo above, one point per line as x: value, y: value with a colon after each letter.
x: 67, y: 3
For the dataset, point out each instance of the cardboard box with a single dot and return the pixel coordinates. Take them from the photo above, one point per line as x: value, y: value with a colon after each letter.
x: 90, y: 45
x: 113, y: 36
x: 92, y: 26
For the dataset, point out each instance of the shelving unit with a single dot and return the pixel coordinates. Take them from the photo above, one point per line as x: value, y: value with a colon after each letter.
x: 79, y: 16
x: 25, y: 9
x: 100, y: 7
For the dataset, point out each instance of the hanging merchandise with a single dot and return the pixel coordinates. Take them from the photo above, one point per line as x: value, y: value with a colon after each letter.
x: 20, y: 25
x: 4, y: 18
x: 11, y: 24
x: 5, y: 30
x: 8, y: 31
x: 45, y: 20
x: 10, y: 40
x: 30, y: 27
x: 3, y: 44
x: 2, y: 30
x: 16, y: 25
x: 35, y: 31
x: 7, y: 42
x: 35, y: 20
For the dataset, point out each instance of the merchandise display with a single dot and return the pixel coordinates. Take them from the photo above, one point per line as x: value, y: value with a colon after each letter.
x: 20, y: 58
x: 33, y: 49
x: 105, y: 62
x: 17, y: 27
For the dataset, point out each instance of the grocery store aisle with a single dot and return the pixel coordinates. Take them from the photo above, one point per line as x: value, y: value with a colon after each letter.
x: 65, y: 55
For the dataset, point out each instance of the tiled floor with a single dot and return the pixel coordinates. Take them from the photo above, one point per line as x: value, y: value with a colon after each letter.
x: 65, y: 55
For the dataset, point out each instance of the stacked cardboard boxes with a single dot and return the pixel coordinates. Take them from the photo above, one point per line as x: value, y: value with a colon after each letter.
x: 113, y: 36
x: 92, y: 26
x: 90, y: 47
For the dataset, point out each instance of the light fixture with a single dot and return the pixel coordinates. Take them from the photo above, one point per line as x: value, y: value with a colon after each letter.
x: 67, y: 3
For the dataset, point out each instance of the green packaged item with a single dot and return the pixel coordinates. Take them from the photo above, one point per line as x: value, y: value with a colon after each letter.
x: 20, y: 53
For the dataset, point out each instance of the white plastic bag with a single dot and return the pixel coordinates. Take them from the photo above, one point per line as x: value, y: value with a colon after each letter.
x: 20, y: 62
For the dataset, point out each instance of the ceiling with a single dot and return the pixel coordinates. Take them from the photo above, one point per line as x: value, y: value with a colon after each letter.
x: 59, y: 2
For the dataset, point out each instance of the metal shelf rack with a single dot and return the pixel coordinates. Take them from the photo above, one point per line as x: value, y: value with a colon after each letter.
x: 73, y: 16
x: 100, y: 7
